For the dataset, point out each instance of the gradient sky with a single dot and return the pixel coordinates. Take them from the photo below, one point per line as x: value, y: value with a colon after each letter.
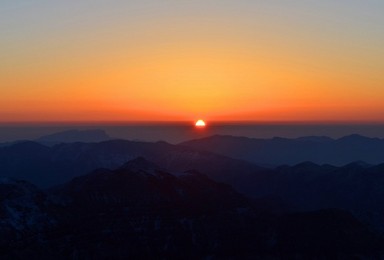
x: 142, y: 60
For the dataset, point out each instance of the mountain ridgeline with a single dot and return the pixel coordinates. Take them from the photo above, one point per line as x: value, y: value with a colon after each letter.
x: 46, y: 166
x: 278, y: 151
x: 71, y: 136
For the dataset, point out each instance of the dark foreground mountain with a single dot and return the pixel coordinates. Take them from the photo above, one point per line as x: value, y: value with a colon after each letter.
x: 23, y: 212
x: 356, y: 187
x: 141, y: 211
x: 278, y: 151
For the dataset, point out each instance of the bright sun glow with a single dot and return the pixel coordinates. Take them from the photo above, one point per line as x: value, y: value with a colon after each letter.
x: 200, y: 123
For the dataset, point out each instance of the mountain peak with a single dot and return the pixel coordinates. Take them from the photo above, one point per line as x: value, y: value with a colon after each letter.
x: 359, y: 164
x: 354, y: 137
x: 306, y: 164
x: 315, y: 139
x: 140, y: 164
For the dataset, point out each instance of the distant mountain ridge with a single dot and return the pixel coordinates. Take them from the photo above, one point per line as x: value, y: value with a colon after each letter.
x: 70, y: 136
x: 278, y: 151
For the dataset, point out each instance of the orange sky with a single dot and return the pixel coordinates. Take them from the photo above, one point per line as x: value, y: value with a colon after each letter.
x: 184, y: 60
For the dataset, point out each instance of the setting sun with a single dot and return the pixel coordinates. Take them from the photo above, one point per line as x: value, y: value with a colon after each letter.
x: 200, y: 123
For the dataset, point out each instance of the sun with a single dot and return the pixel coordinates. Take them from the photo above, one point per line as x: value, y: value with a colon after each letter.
x: 200, y: 123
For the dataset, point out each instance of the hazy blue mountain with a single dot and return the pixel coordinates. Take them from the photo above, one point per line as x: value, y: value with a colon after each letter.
x: 47, y: 166
x: 141, y: 210
x: 278, y: 151
x: 71, y: 136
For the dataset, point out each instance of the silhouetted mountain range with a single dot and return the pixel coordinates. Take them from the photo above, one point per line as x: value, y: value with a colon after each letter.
x: 306, y: 186
x: 141, y: 210
x: 71, y: 136
x: 278, y: 151
x: 268, y: 210
x: 46, y: 166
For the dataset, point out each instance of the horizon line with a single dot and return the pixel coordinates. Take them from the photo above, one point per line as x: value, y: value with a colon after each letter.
x: 188, y: 122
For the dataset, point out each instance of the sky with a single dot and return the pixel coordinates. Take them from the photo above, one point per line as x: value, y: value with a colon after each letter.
x: 181, y: 60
